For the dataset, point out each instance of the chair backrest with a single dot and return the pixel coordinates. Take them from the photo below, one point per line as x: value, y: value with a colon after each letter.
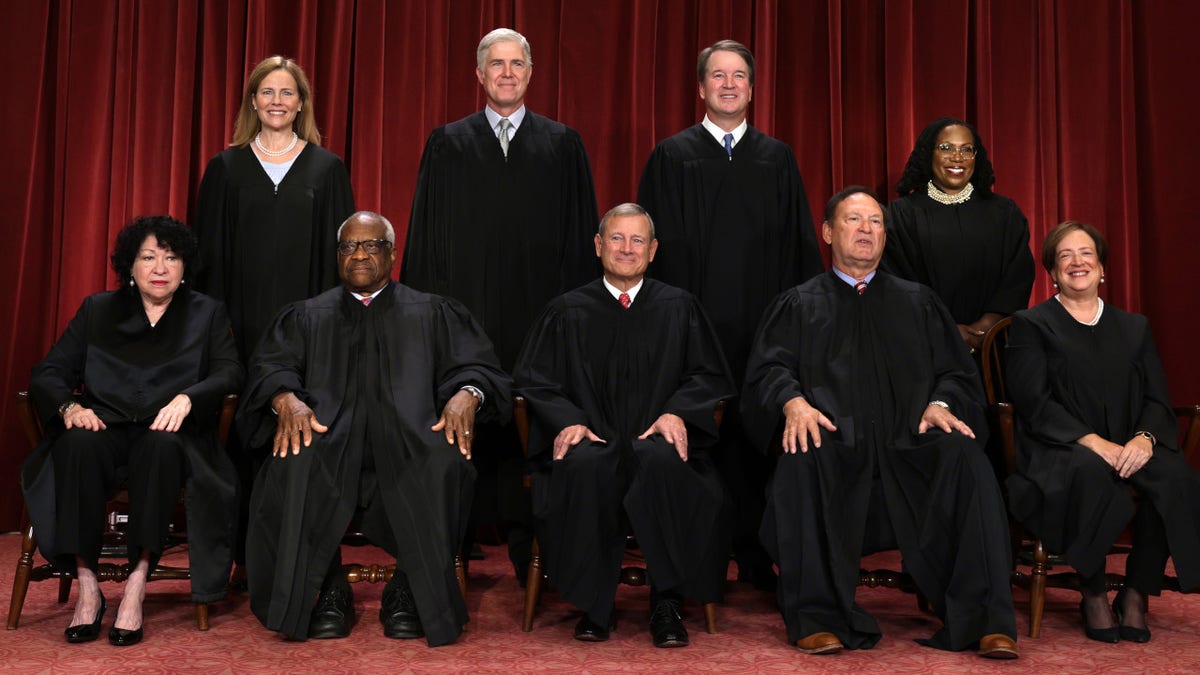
x: 994, y: 343
x: 1189, y: 438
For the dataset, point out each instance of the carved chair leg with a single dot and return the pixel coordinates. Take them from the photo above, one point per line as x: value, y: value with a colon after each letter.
x: 1037, y: 590
x: 533, y: 587
x: 202, y: 615
x: 461, y: 573
x: 21, y: 578
x: 710, y: 617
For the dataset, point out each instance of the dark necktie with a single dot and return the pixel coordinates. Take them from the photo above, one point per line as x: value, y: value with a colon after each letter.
x: 505, y: 124
x: 625, y: 300
x: 860, y: 286
x: 729, y: 145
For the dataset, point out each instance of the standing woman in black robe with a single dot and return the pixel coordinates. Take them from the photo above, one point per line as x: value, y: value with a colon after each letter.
x: 1093, y: 417
x: 153, y: 361
x: 270, y: 205
x: 950, y: 232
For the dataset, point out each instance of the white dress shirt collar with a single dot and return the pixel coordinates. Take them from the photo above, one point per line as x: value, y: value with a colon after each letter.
x: 616, y: 292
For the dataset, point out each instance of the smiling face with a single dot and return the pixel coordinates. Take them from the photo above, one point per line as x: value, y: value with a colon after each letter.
x: 1077, y: 267
x: 362, y: 272
x: 952, y: 168
x: 156, y: 271
x: 625, y: 249
x: 856, y: 235
x: 726, y: 89
x: 505, y: 76
x: 277, y: 100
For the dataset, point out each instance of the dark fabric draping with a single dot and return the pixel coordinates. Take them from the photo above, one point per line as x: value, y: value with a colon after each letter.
x: 114, y: 106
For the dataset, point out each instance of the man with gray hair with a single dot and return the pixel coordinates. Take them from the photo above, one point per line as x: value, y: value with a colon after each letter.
x: 502, y: 220
x: 736, y: 230
x: 622, y: 377
x: 368, y: 395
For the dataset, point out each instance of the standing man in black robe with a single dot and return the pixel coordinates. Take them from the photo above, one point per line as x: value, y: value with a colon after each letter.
x: 502, y: 220
x: 622, y: 377
x: 875, y: 391
x: 370, y: 392
x: 733, y: 218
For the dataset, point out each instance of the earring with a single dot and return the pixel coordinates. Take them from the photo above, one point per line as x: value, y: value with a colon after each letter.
x: 182, y: 281
x: 1054, y: 283
x: 131, y: 284
x: 1101, y: 278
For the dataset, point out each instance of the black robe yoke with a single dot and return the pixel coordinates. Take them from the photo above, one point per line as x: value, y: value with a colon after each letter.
x: 378, y: 377
x: 1067, y: 380
x: 871, y: 364
x: 590, y: 361
x: 128, y: 370
x: 502, y: 236
x: 974, y: 255
x: 261, y: 249
x: 734, y: 233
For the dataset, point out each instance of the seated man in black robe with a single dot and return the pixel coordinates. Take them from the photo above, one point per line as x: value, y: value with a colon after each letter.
x: 371, y: 391
x: 879, y: 396
x: 622, y: 376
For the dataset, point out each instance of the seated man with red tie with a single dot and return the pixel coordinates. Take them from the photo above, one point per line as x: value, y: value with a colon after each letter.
x: 622, y: 376
x: 880, y: 408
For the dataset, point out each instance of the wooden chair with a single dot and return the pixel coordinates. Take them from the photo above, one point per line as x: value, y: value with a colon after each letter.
x: 375, y: 573
x: 114, y: 539
x: 630, y: 575
x: 1027, y: 547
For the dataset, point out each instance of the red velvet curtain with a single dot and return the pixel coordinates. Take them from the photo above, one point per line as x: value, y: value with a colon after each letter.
x: 114, y: 107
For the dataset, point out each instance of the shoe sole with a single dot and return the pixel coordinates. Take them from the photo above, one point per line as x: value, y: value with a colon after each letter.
x: 403, y: 634
x: 667, y: 644
x: 827, y: 649
x: 999, y: 654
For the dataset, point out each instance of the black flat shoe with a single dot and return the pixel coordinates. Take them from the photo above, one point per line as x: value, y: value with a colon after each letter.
x: 119, y: 637
x: 398, y: 611
x: 666, y: 625
x: 86, y: 632
x: 1131, y: 633
x: 1110, y: 635
x: 589, y: 631
x: 333, y: 615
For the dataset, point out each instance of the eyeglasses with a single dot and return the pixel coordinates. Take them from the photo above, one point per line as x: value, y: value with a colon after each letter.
x: 371, y: 246
x: 964, y: 151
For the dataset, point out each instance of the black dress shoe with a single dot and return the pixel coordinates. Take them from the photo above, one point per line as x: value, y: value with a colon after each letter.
x: 1111, y: 635
x: 119, y: 637
x: 1131, y: 633
x: 398, y: 612
x: 86, y: 632
x: 589, y: 631
x: 334, y: 614
x: 666, y: 625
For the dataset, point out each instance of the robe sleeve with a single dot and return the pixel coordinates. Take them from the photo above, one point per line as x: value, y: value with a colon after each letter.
x: 901, y: 255
x: 800, y: 240
x: 660, y: 192
x: 465, y: 357
x: 1027, y: 376
x: 55, y: 378
x: 225, y: 372
x: 1157, y: 416
x: 772, y: 374
x: 211, y: 226
x: 422, y: 257
x: 579, y: 216
x: 706, y: 380
x: 540, y: 371
x: 278, y: 365
x: 956, y: 380
x: 333, y: 204
x: 1016, y: 282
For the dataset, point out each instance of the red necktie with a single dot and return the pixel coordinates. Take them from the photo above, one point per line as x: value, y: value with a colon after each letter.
x: 625, y: 300
x: 860, y: 286
x: 367, y: 300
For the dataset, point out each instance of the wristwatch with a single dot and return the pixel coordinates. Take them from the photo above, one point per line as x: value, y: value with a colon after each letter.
x: 1148, y: 436
x: 66, y: 408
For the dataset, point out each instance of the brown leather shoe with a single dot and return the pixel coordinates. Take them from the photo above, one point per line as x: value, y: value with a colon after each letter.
x: 998, y: 646
x: 820, y: 643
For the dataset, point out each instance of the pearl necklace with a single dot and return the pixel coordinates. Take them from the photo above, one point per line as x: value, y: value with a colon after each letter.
x: 275, y: 153
x: 941, y: 197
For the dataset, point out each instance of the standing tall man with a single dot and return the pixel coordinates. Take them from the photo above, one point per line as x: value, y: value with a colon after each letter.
x: 733, y: 219
x: 502, y: 220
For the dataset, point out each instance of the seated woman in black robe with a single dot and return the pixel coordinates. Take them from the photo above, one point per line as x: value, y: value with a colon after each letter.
x: 950, y: 232
x: 1093, y: 417
x: 153, y: 362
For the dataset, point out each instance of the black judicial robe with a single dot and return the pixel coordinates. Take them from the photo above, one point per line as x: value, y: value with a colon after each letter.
x: 502, y: 236
x: 1067, y: 380
x: 260, y: 248
x: 974, y: 255
x: 871, y: 364
x: 590, y: 361
x: 378, y: 377
x: 735, y: 233
x: 128, y: 370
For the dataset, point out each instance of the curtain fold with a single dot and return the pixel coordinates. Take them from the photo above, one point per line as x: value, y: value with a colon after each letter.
x: 116, y: 106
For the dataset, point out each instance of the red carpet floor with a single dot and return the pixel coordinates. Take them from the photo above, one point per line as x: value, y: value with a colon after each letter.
x: 751, y: 637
